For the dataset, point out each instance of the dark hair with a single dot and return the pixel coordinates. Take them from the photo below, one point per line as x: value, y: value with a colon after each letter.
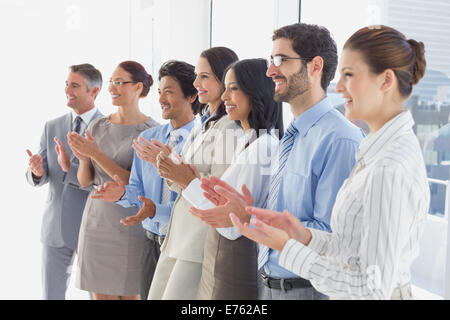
x: 90, y: 74
x: 384, y: 48
x: 139, y: 74
x: 251, y: 78
x: 310, y: 41
x: 219, y: 58
x: 184, y: 74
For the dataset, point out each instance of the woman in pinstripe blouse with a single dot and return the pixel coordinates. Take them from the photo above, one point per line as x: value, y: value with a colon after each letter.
x: 379, y: 213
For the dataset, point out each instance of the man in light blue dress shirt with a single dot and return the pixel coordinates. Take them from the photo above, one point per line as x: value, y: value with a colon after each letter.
x: 321, y: 153
x: 146, y: 189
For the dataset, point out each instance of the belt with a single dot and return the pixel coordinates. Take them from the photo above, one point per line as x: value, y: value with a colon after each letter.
x: 153, y: 236
x: 284, y: 284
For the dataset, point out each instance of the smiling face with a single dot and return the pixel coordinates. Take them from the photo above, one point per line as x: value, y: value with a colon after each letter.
x: 127, y: 93
x: 359, y: 87
x: 171, y: 98
x: 291, y: 77
x: 237, y: 103
x: 79, y: 98
x: 208, y: 86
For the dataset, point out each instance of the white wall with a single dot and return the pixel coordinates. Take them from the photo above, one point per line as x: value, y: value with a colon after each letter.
x: 40, y: 39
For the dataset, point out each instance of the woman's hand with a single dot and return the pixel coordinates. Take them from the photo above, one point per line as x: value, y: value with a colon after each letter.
x: 208, y: 185
x: 285, y: 221
x: 110, y: 191
x: 173, y: 167
x: 218, y: 217
x: 82, y: 148
x: 262, y: 233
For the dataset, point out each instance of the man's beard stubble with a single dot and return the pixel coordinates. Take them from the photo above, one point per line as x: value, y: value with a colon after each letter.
x: 297, y: 84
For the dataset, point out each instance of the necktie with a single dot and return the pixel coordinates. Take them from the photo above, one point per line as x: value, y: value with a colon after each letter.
x: 174, y: 139
x: 285, y: 148
x: 77, y: 127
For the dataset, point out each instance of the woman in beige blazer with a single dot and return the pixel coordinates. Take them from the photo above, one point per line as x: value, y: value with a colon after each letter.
x: 208, y: 151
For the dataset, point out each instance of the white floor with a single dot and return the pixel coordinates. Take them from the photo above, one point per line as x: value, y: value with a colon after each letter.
x: 421, y: 294
x: 72, y: 292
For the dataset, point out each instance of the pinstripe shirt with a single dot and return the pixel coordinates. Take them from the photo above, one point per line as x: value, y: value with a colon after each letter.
x: 377, y: 220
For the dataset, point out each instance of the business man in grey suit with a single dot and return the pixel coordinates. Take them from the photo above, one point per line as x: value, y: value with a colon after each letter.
x: 55, y: 164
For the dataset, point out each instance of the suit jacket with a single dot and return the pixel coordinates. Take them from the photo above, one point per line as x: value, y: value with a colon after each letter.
x: 66, y: 199
x: 211, y: 152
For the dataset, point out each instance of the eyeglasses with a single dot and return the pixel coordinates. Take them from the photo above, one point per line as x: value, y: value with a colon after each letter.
x: 119, y: 83
x: 278, y: 60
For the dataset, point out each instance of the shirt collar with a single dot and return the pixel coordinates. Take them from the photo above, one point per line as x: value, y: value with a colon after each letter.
x: 182, y: 131
x: 374, y: 142
x: 309, y: 118
x: 86, y: 117
x: 206, y: 116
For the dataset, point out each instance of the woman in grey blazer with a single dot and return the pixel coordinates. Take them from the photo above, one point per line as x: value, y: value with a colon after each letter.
x: 179, y: 267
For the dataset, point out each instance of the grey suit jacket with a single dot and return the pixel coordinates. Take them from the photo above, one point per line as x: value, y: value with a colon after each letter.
x: 66, y: 199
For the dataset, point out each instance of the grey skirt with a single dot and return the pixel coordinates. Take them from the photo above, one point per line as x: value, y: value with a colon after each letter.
x: 229, y: 270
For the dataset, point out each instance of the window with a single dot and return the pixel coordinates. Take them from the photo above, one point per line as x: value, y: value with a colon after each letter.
x: 426, y: 21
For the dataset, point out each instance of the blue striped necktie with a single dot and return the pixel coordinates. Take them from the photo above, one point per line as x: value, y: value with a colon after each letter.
x: 285, y: 148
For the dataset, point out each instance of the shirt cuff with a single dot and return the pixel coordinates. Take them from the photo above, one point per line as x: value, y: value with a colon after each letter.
x: 319, y: 240
x: 230, y: 233
x: 193, y: 193
x: 127, y: 198
x: 297, y: 258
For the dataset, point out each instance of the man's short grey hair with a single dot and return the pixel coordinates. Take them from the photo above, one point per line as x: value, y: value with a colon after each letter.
x: 90, y: 74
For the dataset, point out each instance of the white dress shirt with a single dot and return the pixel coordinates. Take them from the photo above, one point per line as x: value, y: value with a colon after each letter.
x: 250, y: 166
x: 377, y: 220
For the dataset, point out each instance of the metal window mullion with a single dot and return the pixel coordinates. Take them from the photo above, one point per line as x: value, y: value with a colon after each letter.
x: 447, y: 265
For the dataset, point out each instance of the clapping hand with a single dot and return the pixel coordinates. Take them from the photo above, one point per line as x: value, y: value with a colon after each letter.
x: 82, y: 148
x: 148, y: 151
x: 63, y: 158
x: 208, y: 185
x: 148, y: 210
x: 110, y: 191
x: 35, y: 164
x: 272, y: 228
x: 218, y: 217
x: 172, y: 167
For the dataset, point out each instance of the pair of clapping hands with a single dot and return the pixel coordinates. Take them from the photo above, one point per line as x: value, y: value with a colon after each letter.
x: 82, y: 147
x: 170, y: 166
x: 271, y: 228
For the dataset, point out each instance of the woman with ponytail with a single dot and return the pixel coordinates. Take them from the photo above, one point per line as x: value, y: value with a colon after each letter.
x: 109, y: 253
x: 380, y: 210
